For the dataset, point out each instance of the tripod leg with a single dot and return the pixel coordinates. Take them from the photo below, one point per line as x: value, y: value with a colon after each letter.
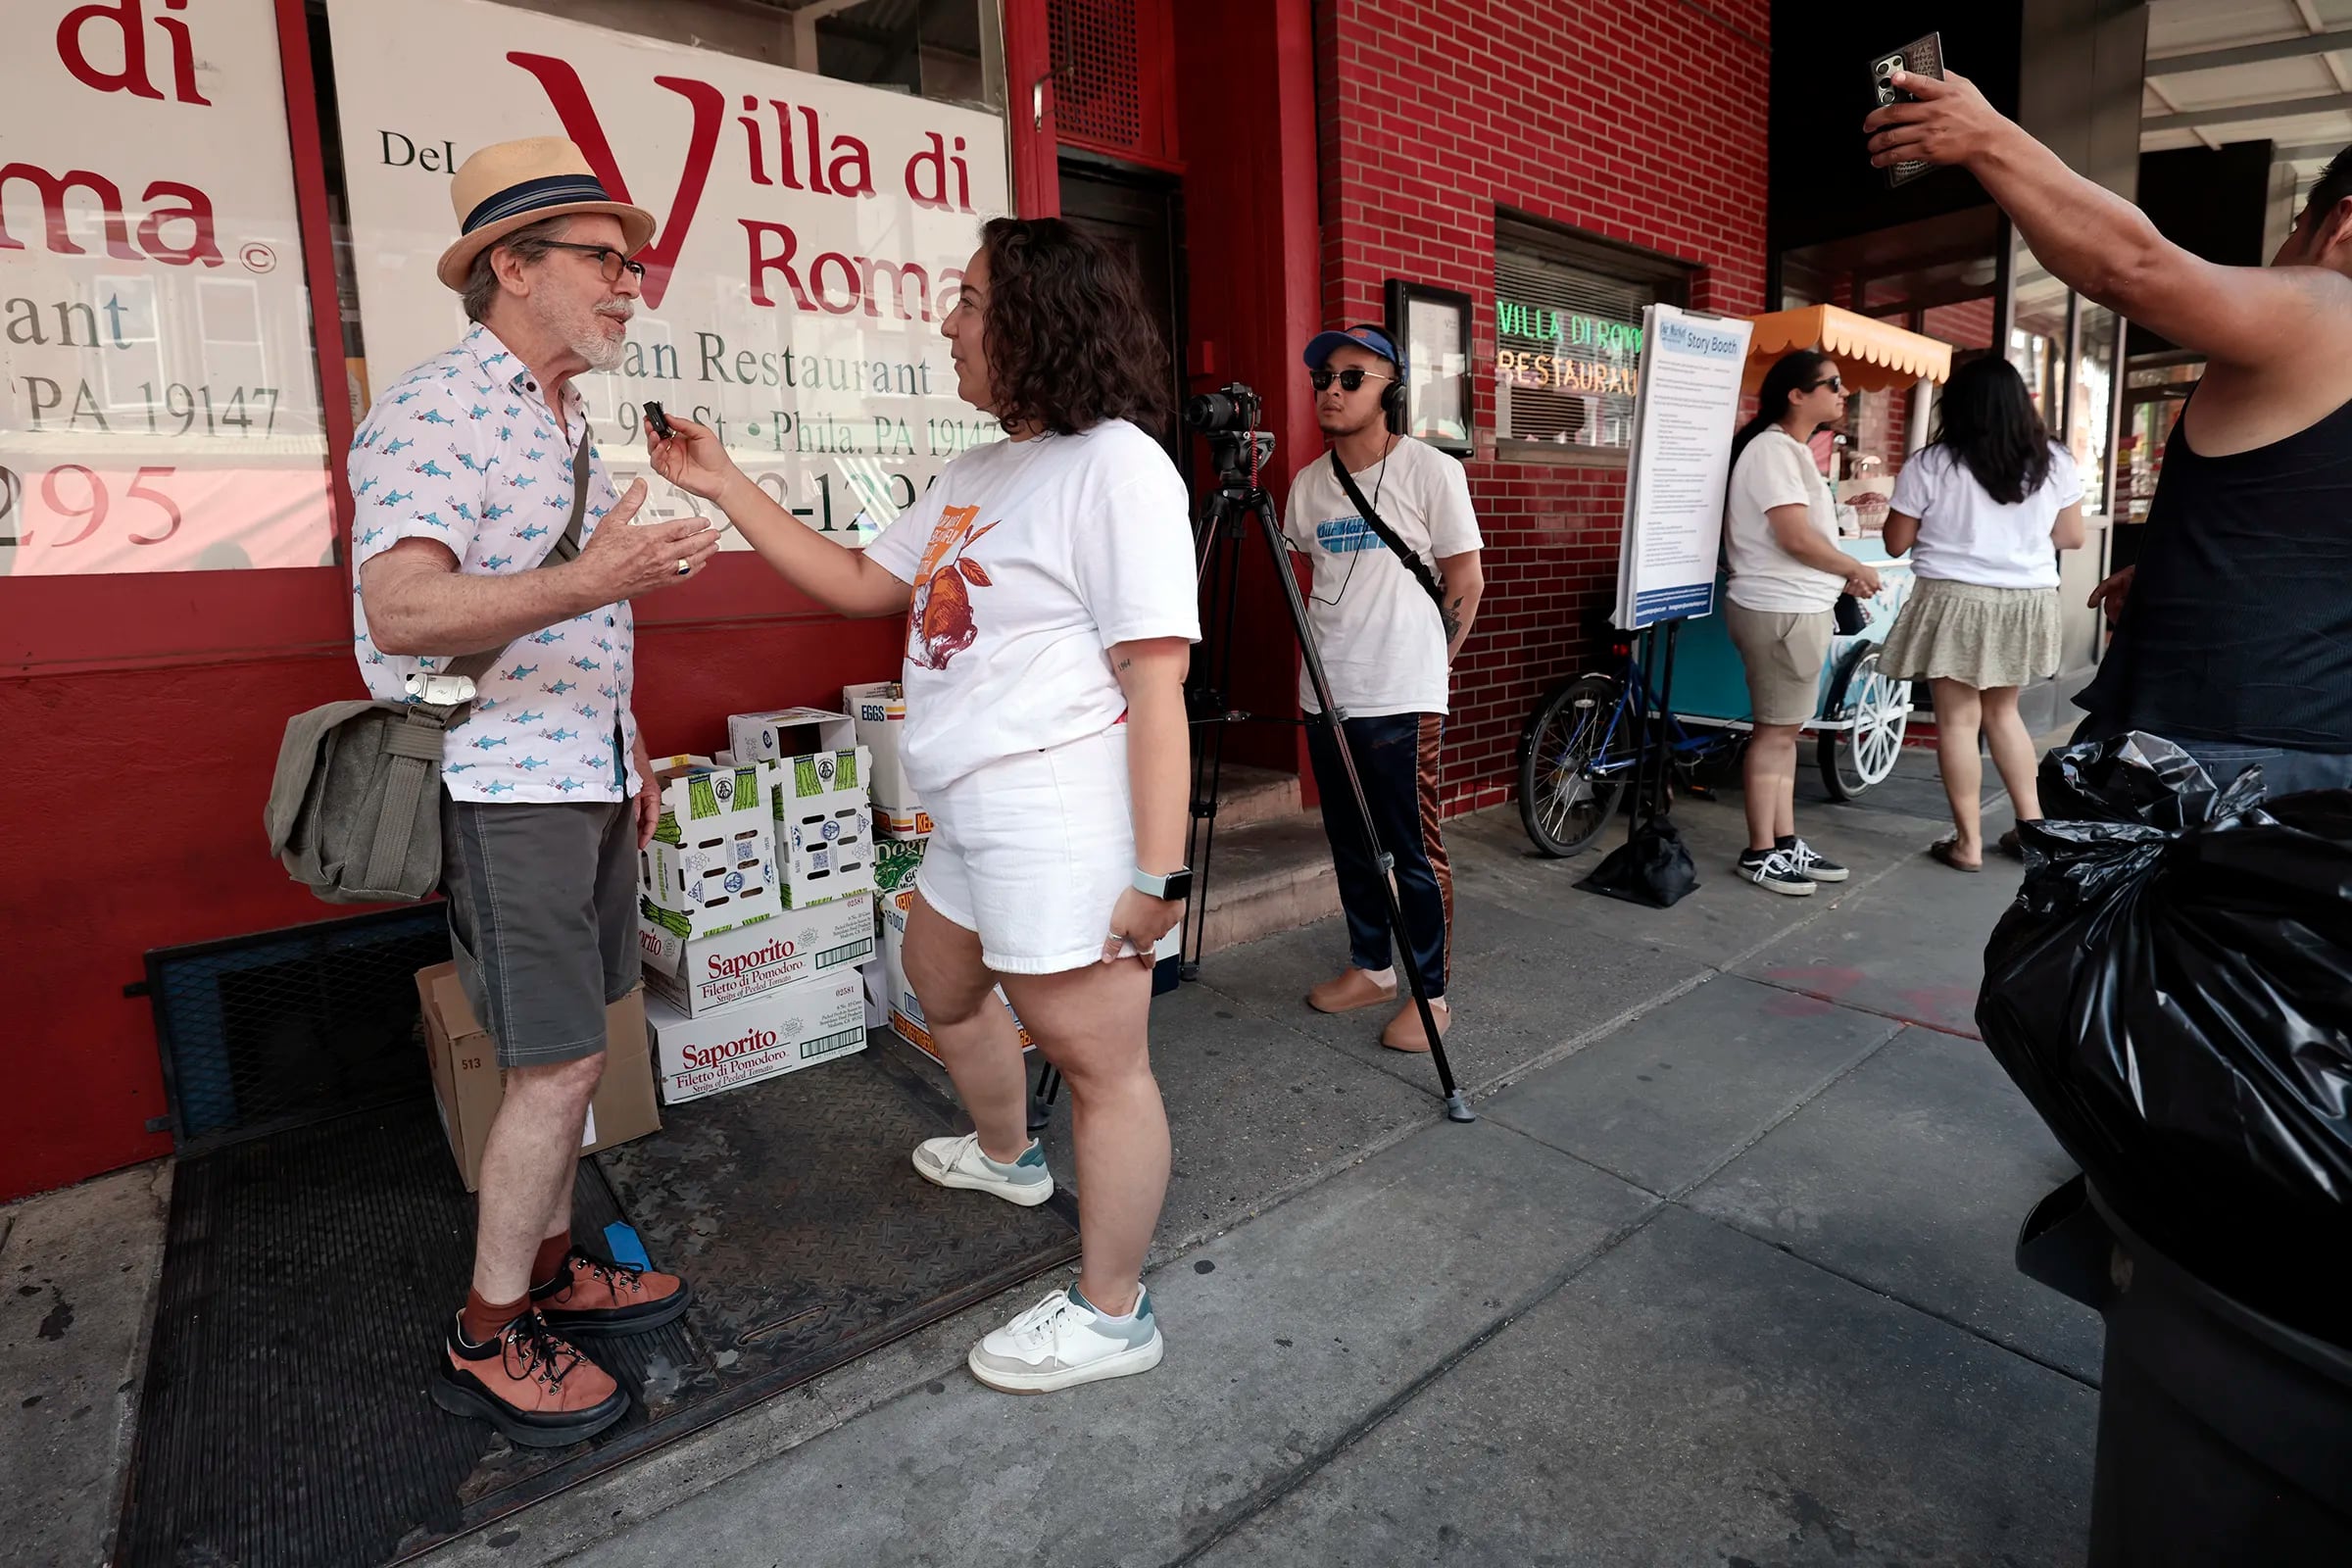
x: 1262, y: 507
x: 1220, y: 579
x: 1041, y: 1099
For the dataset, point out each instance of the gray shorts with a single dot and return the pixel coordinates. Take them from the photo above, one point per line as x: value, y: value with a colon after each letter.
x: 542, y: 920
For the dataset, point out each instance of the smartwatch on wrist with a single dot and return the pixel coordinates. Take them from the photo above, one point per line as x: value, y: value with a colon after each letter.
x: 1176, y: 885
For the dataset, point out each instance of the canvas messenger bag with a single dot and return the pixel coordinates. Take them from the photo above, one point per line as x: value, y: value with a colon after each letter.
x: 354, y: 807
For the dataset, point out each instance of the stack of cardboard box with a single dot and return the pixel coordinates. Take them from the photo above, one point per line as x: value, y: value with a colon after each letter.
x: 754, y: 973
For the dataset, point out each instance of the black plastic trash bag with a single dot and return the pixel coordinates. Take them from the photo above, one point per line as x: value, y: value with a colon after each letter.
x: 2173, y: 990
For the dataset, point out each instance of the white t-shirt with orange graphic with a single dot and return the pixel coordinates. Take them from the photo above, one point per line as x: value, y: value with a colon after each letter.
x: 1029, y: 559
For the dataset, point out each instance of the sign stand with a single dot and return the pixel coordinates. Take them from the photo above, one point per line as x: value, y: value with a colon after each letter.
x: 1676, y: 476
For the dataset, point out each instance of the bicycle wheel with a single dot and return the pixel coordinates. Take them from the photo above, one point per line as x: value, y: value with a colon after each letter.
x: 1562, y: 803
x: 1853, y: 760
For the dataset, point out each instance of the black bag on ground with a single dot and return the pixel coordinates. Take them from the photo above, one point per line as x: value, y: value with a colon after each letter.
x: 1651, y: 866
x: 2173, y: 990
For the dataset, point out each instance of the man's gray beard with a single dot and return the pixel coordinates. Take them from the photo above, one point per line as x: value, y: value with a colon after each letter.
x: 601, y: 352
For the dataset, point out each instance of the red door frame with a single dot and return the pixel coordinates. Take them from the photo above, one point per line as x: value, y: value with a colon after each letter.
x: 1029, y: 109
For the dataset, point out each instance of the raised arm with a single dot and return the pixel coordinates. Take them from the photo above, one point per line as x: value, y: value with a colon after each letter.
x: 844, y: 580
x: 2094, y: 241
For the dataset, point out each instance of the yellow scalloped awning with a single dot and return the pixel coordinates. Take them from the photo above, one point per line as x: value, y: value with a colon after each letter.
x: 1872, y: 355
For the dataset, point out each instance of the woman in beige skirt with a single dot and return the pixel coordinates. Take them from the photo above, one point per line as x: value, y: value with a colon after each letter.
x: 1987, y: 506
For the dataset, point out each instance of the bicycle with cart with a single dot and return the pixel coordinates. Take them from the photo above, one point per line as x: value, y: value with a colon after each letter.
x: 1580, y: 744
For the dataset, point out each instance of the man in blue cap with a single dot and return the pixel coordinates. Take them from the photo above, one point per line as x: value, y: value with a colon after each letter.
x: 1387, y: 522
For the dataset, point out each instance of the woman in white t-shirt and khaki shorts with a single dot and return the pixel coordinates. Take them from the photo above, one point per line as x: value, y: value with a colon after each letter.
x: 1983, y: 509
x: 1049, y: 587
x: 1780, y: 539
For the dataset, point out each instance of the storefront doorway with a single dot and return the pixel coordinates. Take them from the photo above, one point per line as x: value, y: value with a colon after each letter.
x: 1141, y: 213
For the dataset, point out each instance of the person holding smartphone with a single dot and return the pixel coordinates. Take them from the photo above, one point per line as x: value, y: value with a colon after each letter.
x: 2233, y: 634
x: 1047, y: 583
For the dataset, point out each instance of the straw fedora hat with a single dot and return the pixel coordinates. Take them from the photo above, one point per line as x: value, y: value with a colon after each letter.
x: 511, y: 185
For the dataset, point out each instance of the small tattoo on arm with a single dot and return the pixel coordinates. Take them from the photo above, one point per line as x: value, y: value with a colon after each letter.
x: 1126, y: 665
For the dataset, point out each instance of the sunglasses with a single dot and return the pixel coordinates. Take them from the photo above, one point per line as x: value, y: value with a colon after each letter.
x: 1834, y: 383
x: 1350, y: 380
x: 610, y: 261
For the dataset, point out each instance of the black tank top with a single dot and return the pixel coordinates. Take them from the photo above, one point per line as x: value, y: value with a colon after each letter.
x: 2239, y: 626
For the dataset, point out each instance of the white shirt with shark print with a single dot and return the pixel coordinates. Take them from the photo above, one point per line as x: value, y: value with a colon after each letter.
x: 464, y: 450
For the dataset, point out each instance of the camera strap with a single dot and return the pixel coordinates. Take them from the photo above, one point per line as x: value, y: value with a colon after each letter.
x: 1388, y: 536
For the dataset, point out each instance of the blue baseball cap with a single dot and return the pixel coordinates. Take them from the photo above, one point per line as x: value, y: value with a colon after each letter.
x: 1320, y: 348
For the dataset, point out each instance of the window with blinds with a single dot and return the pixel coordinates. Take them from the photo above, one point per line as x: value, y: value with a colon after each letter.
x: 1568, y: 336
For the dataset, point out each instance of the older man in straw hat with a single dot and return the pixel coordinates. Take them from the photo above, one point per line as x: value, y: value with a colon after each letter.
x: 471, y: 471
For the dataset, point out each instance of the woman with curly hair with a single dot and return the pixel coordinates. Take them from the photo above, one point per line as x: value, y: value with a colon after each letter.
x: 1049, y: 587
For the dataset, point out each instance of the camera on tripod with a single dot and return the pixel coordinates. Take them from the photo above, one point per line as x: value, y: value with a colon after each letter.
x: 1228, y: 417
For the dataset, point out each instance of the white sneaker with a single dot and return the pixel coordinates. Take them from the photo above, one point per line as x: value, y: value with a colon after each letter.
x: 1062, y: 1342
x: 958, y: 1162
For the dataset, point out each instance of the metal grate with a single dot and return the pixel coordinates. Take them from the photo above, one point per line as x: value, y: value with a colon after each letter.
x: 282, y: 1028
x: 1097, y: 94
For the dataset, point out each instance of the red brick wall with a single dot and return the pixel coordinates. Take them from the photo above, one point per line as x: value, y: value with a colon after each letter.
x: 1966, y: 325
x: 1436, y: 112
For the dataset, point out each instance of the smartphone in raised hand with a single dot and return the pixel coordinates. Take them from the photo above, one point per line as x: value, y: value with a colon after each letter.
x: 1921, y: 57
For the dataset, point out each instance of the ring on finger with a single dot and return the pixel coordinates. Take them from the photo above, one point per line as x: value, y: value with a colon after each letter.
x: 684, y: 565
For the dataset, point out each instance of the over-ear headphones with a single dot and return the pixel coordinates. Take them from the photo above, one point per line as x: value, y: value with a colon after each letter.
x: 1391, y: 396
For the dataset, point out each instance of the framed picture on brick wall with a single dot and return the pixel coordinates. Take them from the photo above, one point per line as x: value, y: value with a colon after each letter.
x: 1433, y: 328
x: 1568, y: 340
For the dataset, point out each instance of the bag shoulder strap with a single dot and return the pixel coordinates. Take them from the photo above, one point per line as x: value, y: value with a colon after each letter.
x: 473, y: 667
x: 1388, y: 536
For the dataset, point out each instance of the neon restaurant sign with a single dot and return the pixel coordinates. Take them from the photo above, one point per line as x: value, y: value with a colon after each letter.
x: 1609, y: 364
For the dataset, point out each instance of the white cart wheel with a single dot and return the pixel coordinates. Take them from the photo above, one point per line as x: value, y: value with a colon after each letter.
x: 1855, y: 758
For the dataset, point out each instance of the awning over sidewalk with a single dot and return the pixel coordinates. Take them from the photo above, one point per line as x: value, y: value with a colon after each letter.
x: 1873, y: 355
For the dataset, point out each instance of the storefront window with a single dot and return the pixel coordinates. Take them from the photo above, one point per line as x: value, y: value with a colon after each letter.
x: 814, y: 224
x: 159, y: 410
x: 2091, y: 407
x: 2152, y: 404
x: 1568, y: 338
x: 2038, y: 335
x: 949, y: 50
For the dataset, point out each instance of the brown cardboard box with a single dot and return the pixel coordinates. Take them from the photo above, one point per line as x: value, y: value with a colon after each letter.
x: 468, y: 1085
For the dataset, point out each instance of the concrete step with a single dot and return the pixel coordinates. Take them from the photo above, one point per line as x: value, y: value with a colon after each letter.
x: 1268, y: 876
x: 1247, y: 795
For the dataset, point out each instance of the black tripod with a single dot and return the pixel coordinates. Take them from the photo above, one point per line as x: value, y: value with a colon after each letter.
x: 1239, y: 454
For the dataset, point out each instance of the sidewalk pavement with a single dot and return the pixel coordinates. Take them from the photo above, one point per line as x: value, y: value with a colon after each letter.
x: 1721, y: 1275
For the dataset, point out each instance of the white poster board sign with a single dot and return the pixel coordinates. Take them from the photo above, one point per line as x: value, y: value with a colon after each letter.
x: 1684, y: 418
x: 811, y: 234
x: 158, y: 388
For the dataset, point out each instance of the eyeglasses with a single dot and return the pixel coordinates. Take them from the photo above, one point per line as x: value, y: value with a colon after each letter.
x: 1834, y: 383
x: 610, y: 261
x: 1350, y: 379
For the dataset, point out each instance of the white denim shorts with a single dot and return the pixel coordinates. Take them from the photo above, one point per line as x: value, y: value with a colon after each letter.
x: 1033, y: 851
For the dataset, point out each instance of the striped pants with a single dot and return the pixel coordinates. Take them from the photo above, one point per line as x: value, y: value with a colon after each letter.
x: 1396, y: 757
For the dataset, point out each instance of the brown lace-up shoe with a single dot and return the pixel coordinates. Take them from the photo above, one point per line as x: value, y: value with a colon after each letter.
x: 537, y: 1389
x: 594, y: 1297
x: 1349, y: 991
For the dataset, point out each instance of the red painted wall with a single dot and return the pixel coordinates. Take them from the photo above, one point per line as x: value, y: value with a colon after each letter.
x: 134, y: 798
x: 1436, y: 112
